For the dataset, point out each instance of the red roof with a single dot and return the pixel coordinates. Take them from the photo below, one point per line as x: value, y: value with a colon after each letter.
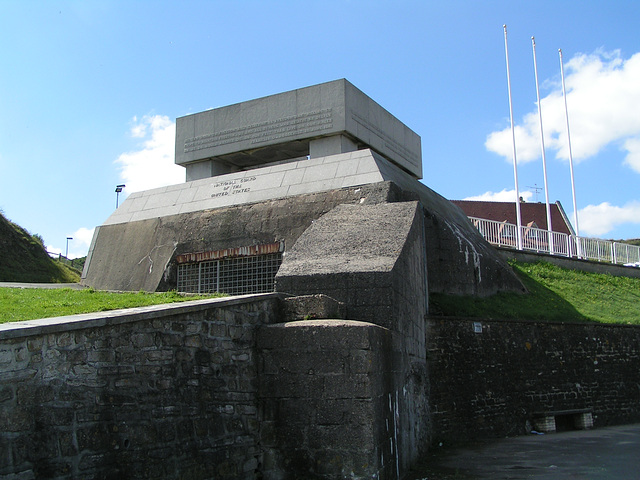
x: 529, y: 212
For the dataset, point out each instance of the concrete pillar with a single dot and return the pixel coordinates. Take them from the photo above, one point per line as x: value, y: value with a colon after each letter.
x: 325, y: 146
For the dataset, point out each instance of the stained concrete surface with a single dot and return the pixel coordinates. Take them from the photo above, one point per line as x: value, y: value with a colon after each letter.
x: 603, y: 453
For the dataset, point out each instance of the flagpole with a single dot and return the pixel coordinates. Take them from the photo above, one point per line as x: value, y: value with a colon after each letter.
x: 544, y: 158
x: 513, y: 139
x: 573, y: 185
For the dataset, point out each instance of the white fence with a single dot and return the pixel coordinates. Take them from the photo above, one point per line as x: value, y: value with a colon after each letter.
x: 503, y: 234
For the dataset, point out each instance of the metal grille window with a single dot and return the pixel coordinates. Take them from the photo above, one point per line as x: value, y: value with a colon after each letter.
x: 232, y: 271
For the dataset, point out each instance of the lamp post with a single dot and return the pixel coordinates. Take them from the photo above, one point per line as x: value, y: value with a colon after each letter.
x: 118, y: 190
x: 67, y: 253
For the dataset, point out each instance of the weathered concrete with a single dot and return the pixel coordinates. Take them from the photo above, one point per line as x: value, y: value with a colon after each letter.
x: 335, y: 116
x: 310, y: 307
x: 327, y: 392
x: 139, y: 255
x: 259, y: 185
x: 253, y: 149
x: 372, y: 258
x: 459, y: 260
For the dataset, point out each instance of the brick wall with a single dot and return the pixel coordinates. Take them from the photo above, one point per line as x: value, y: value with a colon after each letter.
x: 491, y: 384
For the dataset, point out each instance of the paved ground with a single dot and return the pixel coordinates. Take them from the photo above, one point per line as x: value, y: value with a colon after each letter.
x: 75, y: 286
x: 604, y: 453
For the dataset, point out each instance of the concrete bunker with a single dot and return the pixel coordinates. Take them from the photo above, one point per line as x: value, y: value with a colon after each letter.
x: 348, y: 220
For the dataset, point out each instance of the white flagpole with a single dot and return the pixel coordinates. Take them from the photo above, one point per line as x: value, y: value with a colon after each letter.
x: 513, y: 138
x: 544, y: 158
x: 573, y: 185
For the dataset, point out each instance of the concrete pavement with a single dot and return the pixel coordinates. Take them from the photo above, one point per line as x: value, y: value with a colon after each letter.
x: 598, y: 454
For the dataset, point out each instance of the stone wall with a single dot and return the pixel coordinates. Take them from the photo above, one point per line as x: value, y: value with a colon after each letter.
x: 224, y: 389
x: 158, y: 392
x: 490, y: 384
x: 206, y: 389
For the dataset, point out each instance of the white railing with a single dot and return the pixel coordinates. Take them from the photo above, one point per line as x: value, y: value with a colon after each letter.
x: 503, y: 234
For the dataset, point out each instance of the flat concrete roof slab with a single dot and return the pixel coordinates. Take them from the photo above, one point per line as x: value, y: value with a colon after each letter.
x: 280, y: 127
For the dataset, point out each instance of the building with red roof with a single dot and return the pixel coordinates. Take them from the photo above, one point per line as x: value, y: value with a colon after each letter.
x: 532, y: 214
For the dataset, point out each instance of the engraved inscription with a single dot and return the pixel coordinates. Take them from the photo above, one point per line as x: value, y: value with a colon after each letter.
x: 389, y: 142
x: 232, y: 187
x: 265, y: 131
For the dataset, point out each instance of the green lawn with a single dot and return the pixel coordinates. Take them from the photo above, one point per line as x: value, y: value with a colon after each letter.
x: 555, y: 294
x: 30, y: 303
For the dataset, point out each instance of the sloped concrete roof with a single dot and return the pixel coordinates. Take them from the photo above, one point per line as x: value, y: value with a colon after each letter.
x: 352, y: 238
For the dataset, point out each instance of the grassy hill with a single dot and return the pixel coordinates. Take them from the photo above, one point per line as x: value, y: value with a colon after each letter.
x: 555, y: 294
x: 23, y: 258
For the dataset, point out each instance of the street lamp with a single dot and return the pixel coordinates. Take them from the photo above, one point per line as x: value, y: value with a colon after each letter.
x: 67, y: 254
x: 118, y: 190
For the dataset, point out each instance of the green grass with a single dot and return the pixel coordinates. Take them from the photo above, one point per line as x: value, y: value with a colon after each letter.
x: 23, y: 258
x: 555, y: 294
x: 18, y: 304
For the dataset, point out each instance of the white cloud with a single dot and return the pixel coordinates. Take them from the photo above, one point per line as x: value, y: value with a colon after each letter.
x: 600, y: 219
x: 503, y: 196
x: 603, y: 98
x: 82, y: 237
x: 138, y: 129
x: 632, y: 146
x: 52, y: 249
x: 152, y: 165
x: 78, y: 246
x: 527, y: 144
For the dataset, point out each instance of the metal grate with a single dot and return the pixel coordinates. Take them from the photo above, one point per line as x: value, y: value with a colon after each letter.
x: 234, y: 276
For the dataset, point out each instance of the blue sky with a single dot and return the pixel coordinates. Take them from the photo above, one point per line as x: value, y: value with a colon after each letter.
x: 89, y: 94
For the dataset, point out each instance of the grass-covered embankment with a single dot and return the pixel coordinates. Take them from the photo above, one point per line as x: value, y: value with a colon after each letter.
x: 23, y: 258
x: 31, y: 303
x: 555, y: 294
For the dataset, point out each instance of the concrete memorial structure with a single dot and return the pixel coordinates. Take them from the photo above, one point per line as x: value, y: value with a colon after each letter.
x: 312, y: 192
x: 273, y: 156
x: 318, y: 121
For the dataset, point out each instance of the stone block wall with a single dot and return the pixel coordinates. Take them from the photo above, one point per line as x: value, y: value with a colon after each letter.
x: 159, y: 392
x: 500, y: 382
x: 223, y: 389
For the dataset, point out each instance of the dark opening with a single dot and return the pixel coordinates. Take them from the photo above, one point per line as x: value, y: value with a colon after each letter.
x: 565, y: 422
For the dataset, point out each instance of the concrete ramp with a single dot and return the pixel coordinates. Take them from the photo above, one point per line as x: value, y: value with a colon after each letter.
x: 350, y: 239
